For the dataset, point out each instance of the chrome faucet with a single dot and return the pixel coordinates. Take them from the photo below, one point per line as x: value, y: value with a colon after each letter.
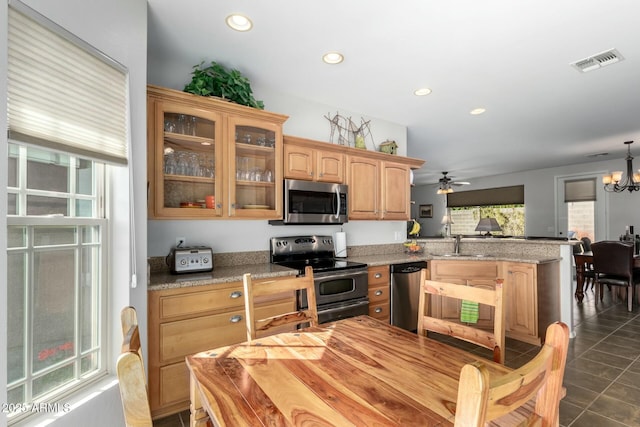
x: 456, y: 244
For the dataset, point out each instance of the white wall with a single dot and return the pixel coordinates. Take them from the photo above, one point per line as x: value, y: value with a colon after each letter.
x: 539, y: 195
x: 306, y: 119
x: 119, y: 29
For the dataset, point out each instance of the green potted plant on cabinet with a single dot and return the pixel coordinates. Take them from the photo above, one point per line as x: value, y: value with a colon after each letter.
x: 216, y: 80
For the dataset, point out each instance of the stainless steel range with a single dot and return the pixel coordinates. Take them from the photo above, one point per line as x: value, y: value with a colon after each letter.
x: 341, y: 286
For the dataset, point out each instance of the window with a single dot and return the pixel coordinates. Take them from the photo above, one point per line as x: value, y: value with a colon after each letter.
x: 580, y: 197
x: 505, y: 204
x: 68, y: 113
x: 55, y: 277
x: 510, y: 218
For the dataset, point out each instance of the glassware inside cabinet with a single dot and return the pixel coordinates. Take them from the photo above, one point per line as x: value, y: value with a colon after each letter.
x: 189, y: 151
x: 255, y: 168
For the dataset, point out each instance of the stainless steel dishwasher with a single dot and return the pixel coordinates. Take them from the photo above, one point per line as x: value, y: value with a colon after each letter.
x: 405, y: 294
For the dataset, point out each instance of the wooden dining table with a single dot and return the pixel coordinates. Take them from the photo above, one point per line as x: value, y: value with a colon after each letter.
x: 584, y: 259
x: 353, y: 372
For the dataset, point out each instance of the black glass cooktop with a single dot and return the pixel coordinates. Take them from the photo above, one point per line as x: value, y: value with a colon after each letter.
x: 322, y: 264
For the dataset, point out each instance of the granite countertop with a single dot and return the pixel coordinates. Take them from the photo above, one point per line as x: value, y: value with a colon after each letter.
x: 386, y: 259
x: 530, y: 259
x: 501, y: 240
x: 165, y: 280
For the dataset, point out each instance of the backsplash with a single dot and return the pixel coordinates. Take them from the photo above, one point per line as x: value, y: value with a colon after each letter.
x: 231, y: 259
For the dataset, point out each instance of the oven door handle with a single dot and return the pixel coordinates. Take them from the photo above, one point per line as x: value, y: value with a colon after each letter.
x: 339, y: 275
x: 350, y: 305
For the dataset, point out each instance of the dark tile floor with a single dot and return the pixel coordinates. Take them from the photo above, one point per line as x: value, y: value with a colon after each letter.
x: 602, y: 376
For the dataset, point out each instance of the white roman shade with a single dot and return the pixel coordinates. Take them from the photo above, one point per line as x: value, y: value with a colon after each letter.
x: 62, y: 93
x: 580, y: 190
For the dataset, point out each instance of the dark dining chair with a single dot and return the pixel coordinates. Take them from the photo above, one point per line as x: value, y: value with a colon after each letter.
x: 586, y: 244
x: 613, y: 265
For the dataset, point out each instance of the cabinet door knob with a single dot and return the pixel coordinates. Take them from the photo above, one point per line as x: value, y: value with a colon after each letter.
x: 235, y: 319
x: 378, y: 310
x: 378, y: 293
x: 377, y: 275
x: 235, y: 294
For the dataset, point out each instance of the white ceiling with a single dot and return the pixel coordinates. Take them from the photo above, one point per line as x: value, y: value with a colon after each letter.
x: 510, y: 57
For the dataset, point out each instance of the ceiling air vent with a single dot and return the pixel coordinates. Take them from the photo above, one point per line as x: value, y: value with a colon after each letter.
x: 599, y: 60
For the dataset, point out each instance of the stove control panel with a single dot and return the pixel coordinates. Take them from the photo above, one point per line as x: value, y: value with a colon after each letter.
x: 308, y: 245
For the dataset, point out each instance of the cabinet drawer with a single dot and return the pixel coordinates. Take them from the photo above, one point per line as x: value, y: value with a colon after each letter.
x: 379, y: 294
x: 379, y: 275
x: 184, y: 337
x: 174, y: 384
x: 380, y: 311
x: 189, y: 304
x: 469, y: 269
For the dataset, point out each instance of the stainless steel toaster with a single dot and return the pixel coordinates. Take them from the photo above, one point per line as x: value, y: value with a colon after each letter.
x: 190, y: 259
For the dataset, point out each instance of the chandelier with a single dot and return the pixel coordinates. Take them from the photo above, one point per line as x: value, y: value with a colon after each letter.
x: 613, y: 181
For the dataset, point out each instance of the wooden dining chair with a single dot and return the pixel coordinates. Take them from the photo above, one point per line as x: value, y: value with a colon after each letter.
x: 132, y: 381
x: 613, y: 265
x: 258, y: 289
x: 128, y: 321
x: 530, y: 395
x: 128, y: 318
x: 493, y: 340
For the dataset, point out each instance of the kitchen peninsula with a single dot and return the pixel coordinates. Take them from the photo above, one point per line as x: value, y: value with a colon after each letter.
x: 540, y: 270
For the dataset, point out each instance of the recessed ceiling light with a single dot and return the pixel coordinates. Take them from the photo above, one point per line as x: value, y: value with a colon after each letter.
x: 332, y: 57
x: 477, y: 111
x: 422, y: 91
x: 239, y: 22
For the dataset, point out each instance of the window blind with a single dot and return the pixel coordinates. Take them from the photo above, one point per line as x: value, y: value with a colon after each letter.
x: 580, y: 190
x: 62, y: 93
x: 513, y: 195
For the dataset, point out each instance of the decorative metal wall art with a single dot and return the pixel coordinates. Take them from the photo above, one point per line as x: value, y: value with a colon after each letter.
x: 344, y: 131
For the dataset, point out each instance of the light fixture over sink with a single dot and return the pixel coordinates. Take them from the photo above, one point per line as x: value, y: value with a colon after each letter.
x: 613, y: 182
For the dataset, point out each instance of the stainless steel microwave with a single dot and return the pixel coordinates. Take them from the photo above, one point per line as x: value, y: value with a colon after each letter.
x: 308, y: 202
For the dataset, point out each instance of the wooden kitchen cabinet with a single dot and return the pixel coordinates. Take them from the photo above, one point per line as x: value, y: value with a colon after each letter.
x: 379, y: 293
x: 363, y: 179
x: 532, y: 299
x: 395, y: 197
x: 480, y: 274
x: 202, y: 146
x: 185, y: 321
x: 378, y: 189
x: 379, y: 183
x: 305, y: 160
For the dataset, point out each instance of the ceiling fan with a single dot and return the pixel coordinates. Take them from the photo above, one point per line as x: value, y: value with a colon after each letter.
x: 447, y: 182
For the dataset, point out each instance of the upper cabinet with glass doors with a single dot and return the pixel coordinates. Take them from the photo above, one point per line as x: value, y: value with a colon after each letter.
x: 208, y: 158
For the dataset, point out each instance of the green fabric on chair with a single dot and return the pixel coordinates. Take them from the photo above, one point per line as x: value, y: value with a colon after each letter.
x: 469, y: 312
